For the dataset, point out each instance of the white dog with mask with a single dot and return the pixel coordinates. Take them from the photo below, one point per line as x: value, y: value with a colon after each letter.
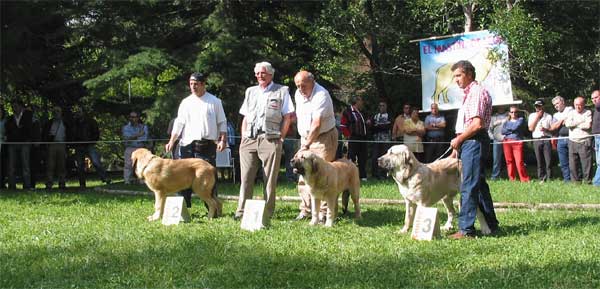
x: 425, y: 184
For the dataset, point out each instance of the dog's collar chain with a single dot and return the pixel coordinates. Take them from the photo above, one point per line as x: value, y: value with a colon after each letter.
x: 147, y: 164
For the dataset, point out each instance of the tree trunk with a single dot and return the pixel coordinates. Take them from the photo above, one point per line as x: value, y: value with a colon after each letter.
x: 468, y: 10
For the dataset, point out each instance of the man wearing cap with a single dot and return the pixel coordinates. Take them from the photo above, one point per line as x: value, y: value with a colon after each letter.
x: 316, y: 126
x: 202, y: 126
x: 539, y: 124
x: 559, y: 128
x: 266, y: 110
x: 579, y: 122
x: 472, y: 123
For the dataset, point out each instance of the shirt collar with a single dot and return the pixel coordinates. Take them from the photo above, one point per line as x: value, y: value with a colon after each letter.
x: 268, y: 87
x: 468, y: 88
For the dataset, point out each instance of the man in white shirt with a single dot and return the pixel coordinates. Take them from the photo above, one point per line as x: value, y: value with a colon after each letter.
x: 539, y: 124
x: 202, y: 126
x: 316, y: 126
x: 579, y: 122
x: 266, y: 109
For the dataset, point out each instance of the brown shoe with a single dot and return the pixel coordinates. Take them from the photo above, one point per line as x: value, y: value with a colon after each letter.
x: 460, y: 235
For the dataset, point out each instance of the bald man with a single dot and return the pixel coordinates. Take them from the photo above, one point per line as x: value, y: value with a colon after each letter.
x: 579, y: 123
x: 316, y: 127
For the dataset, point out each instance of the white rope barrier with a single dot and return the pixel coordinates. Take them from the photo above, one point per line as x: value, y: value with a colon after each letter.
x: 293, y: 139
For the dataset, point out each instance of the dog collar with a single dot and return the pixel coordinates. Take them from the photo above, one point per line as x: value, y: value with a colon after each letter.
x: 147, y: 164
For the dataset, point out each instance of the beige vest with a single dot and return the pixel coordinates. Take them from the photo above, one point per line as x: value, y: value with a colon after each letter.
x: 266, y: 117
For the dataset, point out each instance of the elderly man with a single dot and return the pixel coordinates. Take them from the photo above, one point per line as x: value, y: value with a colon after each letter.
x: 200, y: 127
x: 471, y: 139
x: 579, y: 122
x: 559, y: 128
x: 266, y: 110
x: 435, y: 124
x: 316, y: 126
x: 596, y: 133
x: 539, y: 124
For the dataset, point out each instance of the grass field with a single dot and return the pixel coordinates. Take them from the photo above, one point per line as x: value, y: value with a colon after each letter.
x: 86, y: 239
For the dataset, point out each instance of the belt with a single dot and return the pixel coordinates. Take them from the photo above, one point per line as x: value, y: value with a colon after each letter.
x: 202, y: 141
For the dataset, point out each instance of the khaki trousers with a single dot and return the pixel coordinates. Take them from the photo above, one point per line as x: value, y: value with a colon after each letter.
x: 325, y: 147
x: 56, y: 158
x: 253, y: 152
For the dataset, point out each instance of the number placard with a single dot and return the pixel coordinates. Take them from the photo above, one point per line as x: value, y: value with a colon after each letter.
x: 426, y: 225
x: 252, y: 219
x: 175, y: 211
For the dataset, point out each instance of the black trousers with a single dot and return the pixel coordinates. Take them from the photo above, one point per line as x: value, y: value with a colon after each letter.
x: 358, y: 152
x: 199, y: 149
x: 543, y: 155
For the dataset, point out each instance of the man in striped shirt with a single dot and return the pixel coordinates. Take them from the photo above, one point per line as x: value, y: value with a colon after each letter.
x: 472, y: 140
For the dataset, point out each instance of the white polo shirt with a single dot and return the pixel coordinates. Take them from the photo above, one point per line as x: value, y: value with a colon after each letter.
x: 318, y: 105
x: 200, y: 118
x: 545, y: 122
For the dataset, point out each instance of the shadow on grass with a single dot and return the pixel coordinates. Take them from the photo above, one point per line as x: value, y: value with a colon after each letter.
x: 170, y: 258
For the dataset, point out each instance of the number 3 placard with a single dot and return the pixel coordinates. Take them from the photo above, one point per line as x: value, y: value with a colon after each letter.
x: 426, y: 225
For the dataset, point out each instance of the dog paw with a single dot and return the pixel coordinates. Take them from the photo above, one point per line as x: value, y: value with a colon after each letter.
x: 313, y: 222
x: 154, y: 217
x: 447, y: 227
x: 404, y: 230
x: 329, y: 224
x: 486, y: 231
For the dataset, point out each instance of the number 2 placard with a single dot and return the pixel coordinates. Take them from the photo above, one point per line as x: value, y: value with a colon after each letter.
x: 175, y: 211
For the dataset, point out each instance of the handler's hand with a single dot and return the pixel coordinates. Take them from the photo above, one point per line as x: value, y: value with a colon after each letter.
x: 455, y: 143
x: 221, y: 146
x: 168, y: 147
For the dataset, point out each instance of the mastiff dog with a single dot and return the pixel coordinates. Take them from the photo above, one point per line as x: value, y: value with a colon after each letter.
x: 325, y: 181
x: 166, y: 176
x: 425, y: 184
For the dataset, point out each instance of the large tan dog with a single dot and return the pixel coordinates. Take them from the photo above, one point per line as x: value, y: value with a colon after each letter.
x: 165, y: 176
x: 425, y: 184
x: 325, y: 181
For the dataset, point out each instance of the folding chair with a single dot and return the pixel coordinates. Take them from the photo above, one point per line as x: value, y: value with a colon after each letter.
x: 225, y: 162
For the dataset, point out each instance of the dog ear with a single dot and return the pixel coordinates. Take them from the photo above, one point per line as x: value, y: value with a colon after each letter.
x: 408, y: 164
x: 315, y: 167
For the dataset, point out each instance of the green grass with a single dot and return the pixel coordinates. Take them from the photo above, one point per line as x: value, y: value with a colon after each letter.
x: 83, y: 239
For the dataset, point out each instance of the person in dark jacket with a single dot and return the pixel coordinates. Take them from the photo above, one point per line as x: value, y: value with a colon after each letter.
x: 18, y: 133
x: 354, y: 128
x: 86, y: 133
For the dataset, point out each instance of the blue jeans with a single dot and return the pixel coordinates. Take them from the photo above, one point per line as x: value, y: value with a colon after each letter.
x: 474, y: 190
x: 562, y: 147
x: 596, y: 180
x: 498, y: 159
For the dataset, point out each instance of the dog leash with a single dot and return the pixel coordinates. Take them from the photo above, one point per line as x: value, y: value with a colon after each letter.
x: 449, y: 148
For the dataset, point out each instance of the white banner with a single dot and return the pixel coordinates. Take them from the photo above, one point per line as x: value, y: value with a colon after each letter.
x: 485, y: 50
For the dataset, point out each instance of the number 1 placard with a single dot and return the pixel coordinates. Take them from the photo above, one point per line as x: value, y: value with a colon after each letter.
x: 426, y: 225
x: 252, y: 219
x: 175, y: 211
